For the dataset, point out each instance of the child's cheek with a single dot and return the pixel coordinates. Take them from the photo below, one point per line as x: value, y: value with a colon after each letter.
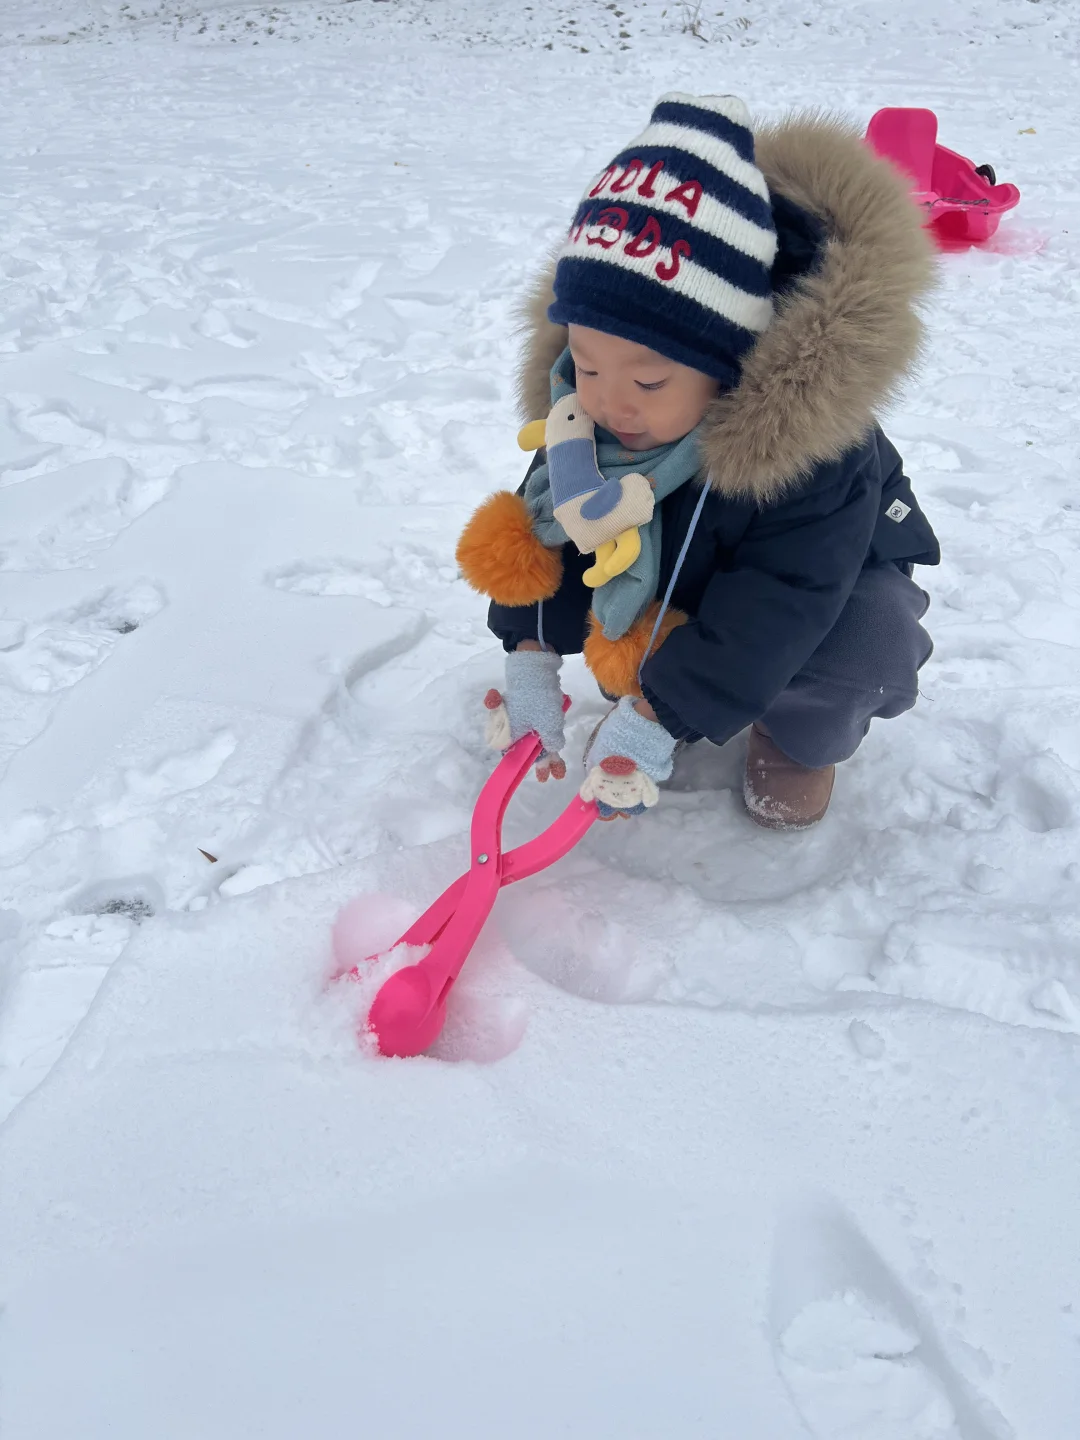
x: 587, y: 404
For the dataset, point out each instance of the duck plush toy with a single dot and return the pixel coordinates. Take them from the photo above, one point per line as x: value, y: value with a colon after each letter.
x: 511, y: 548
x: 598, y: 515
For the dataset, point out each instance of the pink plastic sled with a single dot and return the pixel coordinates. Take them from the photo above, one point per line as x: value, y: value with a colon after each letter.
x: 409, y: 1010
x: 962, y: 201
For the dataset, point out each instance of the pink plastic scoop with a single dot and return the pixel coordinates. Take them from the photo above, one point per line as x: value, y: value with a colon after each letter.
x: 410, y: 1008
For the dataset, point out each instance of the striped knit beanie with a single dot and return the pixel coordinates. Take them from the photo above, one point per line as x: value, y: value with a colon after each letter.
x: 673, y: 244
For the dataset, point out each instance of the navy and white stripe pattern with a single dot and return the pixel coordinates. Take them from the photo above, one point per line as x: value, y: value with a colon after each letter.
x: 673, y: 244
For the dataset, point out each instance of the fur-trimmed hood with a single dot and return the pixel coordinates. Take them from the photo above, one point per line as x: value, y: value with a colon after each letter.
x: 843, y: 336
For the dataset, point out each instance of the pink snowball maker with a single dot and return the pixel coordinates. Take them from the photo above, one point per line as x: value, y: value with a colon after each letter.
x: 409, y: 1010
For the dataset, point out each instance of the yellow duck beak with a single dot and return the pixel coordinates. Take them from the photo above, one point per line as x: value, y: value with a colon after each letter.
x: 533, y: 435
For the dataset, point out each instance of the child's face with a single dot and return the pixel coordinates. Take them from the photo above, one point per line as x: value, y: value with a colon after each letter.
x: 643, y: 398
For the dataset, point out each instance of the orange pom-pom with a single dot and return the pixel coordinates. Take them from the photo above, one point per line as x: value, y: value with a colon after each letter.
x: 500, y: 554
x: 615, y: 663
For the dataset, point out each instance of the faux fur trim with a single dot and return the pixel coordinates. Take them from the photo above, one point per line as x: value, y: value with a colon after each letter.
x: 615, y: 663
x: 842, y: 339
x: 543, y: 344
x: 500, y: 555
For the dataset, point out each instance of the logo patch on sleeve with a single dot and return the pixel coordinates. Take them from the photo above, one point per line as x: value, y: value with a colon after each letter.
x: 898, y: 511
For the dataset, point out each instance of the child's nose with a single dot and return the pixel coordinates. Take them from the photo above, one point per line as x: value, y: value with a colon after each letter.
x: 623, y: 411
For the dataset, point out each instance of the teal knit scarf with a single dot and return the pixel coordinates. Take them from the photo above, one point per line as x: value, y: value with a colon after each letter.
x: 625, y: 598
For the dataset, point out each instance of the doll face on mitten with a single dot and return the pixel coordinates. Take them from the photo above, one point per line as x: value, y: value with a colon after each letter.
x: 642, y: 397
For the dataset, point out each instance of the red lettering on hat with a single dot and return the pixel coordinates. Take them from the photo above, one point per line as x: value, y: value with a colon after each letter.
x: 646, y: 241
x: 647, y: 189
x: 604, y: 178
x: 679, y: 251
x: 628, y: 176
x: 613, y: 218
x: 688, y: 195
x: 575, y: 230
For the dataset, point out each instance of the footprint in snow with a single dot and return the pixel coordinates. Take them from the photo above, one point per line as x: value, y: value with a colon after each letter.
x: 59, y: 651
x: 1041, y: 792
x: 859, y: 1360
x: 42, y: 658
x: 136, y: 791
x: 57, y: 422
x: 120, y: 497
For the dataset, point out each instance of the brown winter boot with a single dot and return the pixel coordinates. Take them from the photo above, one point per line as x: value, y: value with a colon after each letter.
x: 779, y: 793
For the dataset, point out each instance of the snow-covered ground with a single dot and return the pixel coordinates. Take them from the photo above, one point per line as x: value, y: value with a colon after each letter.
x: 751, y: 1135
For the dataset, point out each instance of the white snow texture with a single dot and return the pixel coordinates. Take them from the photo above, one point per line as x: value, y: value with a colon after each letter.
x: 730, y: 1133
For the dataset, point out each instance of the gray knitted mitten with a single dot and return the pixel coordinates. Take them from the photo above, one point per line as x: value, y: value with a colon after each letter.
x: 532, y: 700
x: 628, y: 755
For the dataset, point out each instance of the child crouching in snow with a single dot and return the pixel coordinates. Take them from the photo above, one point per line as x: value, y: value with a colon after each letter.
x: 717, y: 520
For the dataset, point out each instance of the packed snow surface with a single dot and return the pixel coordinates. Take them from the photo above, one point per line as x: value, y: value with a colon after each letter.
x: 730, y: 1133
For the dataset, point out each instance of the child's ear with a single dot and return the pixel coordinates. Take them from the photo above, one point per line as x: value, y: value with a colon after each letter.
x: 501, y: 556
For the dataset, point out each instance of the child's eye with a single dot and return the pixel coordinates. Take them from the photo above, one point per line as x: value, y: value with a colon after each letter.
x: 656, y: 385
x: 590, y: 373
